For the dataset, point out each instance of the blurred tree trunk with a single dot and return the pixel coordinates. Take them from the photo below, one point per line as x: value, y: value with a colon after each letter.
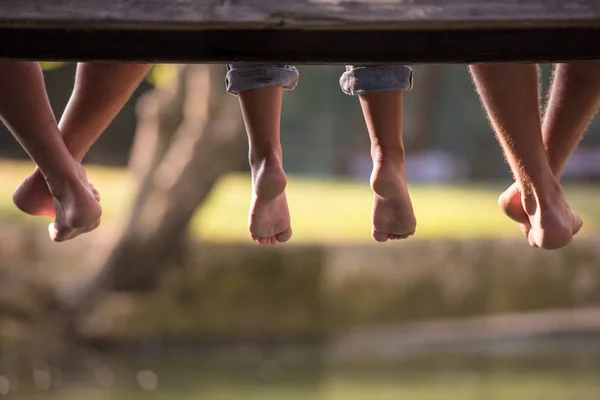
x: 190, y: 133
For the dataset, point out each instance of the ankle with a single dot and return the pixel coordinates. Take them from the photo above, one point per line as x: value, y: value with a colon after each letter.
x: 389, y: 163
x: 392, y: 157
x: 62, y: 185
x: 259, y: 159
x: 542, y: 195
x: 57, y: 186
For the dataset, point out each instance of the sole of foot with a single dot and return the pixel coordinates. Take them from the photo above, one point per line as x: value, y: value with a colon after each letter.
x: 393, y: 216
x: 77, y: 208
x: 269, y: 217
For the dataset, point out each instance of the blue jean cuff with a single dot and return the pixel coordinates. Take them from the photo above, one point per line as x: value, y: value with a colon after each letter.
x: 378, y: 78
x: 243, y: 78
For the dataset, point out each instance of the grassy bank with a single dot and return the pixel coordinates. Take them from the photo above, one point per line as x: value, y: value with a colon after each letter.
x: 463, y: 385
x: 322, y: 210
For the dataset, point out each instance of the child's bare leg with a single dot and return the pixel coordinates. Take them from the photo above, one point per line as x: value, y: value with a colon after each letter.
x: 572, y: 102
x: 380, y: 91
x: 393, y: 216
x: 26, y: 111
x: 260, y: 89
x: 100, y: 92
x: 269, y: 220
x: 510, y: 96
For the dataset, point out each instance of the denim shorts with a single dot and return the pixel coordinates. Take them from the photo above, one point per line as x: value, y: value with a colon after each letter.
x: 355, y: 81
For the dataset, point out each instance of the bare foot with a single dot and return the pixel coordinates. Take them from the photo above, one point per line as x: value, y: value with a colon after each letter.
x: 545, y: 219
x: 269, y: 220
x: 77, y: 208
x: 33, y: 197
x: 510, y: 203
x: 393, y: 216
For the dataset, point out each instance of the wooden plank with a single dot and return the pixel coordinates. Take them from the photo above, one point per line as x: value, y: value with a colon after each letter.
x: 301, y: 31
x: 301, y: 14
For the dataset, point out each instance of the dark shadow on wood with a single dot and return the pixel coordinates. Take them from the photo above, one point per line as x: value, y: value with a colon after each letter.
x: 302, y: 46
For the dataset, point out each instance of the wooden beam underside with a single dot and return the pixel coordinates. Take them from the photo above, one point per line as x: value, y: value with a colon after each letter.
x: 301, y: 31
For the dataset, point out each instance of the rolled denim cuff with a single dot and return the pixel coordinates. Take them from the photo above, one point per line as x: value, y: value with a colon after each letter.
x: 359, y: 80
x: 242, y: 77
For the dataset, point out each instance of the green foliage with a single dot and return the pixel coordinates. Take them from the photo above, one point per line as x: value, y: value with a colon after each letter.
x: 49, y: 66
x: 161, y: 74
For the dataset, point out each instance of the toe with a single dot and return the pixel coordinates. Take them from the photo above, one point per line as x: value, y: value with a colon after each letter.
x: 525, y: 228
x: 396, y: 236
x: 577, y: 222
x: 531, y: 235
x: 257, y: 239
x: 58, y: 233
x: 95, y: 193
x: 379, y: 237
x: 531, y: 239
x: 284, y: 236
x: 52, y: 231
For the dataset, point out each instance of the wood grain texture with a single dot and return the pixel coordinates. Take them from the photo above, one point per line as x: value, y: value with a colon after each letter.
x: 301, y: 14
